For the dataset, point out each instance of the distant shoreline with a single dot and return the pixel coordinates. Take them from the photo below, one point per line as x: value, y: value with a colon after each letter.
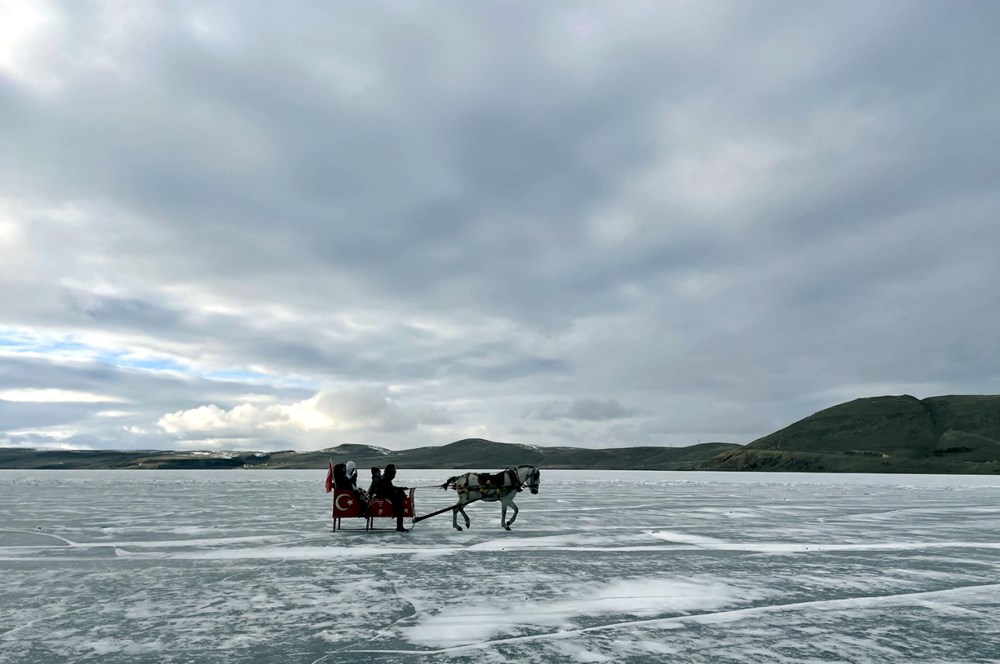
x: 948, y: 435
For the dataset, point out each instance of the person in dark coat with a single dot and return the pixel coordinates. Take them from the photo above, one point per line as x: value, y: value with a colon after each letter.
x: 351, y: 477
x: 340, y: 476
x: 384, y: 488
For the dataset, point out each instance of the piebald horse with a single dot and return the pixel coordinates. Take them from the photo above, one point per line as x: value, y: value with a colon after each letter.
x: 501, y: 486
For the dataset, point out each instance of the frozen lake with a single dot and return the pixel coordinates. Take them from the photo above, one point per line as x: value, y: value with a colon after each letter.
x: 242, y: 566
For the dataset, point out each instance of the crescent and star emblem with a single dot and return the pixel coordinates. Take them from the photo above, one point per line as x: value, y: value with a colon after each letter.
x: 340, y: 507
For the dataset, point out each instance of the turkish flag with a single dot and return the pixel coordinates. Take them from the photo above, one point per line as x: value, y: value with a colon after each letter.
x: 329, y: 479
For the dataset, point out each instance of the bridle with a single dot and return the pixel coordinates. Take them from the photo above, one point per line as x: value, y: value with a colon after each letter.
x: 532, y: 481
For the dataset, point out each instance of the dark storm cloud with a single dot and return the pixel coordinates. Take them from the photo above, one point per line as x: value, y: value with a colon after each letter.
x: 724, y: 216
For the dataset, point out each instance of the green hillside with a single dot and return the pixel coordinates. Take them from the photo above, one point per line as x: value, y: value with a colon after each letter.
x: 901, y: 434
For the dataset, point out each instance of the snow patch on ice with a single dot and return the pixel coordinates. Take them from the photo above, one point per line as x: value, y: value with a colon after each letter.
x: 470, y: 622
x: 689, y: 538
x: 803, y: 547
x: 293, y: 553
x: 547, y: 542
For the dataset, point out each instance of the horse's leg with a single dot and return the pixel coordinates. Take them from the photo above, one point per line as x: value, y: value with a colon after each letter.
x: 454, y: 514
x: 505, y: 501
x: 514, y: 516
x: 459, y: 507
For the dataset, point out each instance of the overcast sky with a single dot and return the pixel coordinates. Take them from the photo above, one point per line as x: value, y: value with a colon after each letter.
x: 233, y: 225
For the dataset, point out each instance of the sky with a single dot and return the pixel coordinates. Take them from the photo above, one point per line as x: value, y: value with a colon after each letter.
x: 260, y: 226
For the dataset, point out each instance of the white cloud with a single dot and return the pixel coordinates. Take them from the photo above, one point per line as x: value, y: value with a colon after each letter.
x: 53, y: 395
x: 342, y: 411
x: 21, y: 25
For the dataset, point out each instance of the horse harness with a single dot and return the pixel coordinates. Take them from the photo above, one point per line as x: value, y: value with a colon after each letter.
x: 496, y: 480
x: 493, y: 482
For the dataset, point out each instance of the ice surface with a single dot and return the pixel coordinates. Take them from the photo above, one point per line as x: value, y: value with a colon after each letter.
x: 242, y: 566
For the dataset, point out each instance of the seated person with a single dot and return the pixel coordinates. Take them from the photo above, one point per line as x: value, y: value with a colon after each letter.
x: 351, y: 483
x: 384, y: 488
x: 351, y: 475
x: 376, y: 478
x: 340, y: 476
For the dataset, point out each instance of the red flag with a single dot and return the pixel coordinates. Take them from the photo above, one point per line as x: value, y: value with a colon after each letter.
x: 329, y: 479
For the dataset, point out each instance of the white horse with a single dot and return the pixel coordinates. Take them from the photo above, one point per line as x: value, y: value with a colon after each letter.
x: 502, y: 486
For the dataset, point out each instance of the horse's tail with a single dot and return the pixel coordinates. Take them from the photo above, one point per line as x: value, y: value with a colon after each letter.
x: 448, y: 483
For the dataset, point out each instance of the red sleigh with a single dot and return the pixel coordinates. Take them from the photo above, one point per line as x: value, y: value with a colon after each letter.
x: 347, y: 506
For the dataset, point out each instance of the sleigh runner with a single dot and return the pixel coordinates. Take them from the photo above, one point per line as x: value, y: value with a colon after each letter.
x: 347, y: 506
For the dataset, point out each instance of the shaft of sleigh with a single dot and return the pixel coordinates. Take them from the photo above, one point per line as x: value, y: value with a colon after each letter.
x: 441, y: 511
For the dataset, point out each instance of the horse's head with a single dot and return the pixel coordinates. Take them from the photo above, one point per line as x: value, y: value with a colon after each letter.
x: 531, y: 478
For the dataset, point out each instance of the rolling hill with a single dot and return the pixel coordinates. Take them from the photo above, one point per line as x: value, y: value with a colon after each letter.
x: 898, y: 434
x: 888, y: 434
x: 470, y: 453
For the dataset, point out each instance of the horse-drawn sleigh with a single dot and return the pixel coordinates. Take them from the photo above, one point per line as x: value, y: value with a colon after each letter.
x: 500, y: 487
x: 346, y: 505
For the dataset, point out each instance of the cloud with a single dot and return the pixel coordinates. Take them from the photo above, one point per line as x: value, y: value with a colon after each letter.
x: 588, y: 410
x: 660, y: 222
x: 325, y: 412
x: 52, y: 395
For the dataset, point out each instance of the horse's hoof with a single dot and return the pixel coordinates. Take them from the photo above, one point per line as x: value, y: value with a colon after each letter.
x: 459, y: 528
x: 506, y: 527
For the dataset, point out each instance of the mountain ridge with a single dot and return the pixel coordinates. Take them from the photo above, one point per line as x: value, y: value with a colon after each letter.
x: 461, y: 454
x: 884, y: 434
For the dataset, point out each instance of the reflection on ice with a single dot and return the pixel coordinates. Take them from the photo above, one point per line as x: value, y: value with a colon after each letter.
x: 242, y: 566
